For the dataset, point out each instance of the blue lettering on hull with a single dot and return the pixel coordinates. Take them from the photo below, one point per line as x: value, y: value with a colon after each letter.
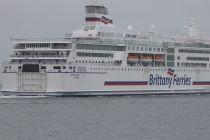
x: 172, y: 80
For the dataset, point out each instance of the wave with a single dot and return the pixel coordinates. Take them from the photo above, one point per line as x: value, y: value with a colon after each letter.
x: 20, y: 97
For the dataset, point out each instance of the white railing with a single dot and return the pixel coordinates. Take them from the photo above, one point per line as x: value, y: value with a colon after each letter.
x: 39, y: 56
x: 41, y: 40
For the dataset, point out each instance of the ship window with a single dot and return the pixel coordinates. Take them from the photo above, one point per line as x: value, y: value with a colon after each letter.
x: 56, y: 67
x: 170, y: 57
x: 170, y: 50
x: 137, y: 48
x: 101, y: 47
x: 92, y: 27
x: 158, y: 49
x: 198, y: 58
x: 30, y: 68
x: 86, y: 28
x: 150, y: 49
x: 170, y: 64
x: 142, y: 49
x: 154, y: 49
x: 43, y: 67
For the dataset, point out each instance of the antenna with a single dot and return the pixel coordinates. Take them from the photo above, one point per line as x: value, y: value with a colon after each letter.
x: 192, y: 28
x: 130, y: 29
x: 152, y: 27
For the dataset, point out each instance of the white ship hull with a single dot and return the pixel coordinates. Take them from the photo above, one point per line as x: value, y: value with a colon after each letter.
x: 139, y: 81
x: 97, y: 60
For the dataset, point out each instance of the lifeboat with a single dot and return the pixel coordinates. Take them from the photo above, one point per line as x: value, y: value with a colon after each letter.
x: 159, y: 57
x: 134, y: 57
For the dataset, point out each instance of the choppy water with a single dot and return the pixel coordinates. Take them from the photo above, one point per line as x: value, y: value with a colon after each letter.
x: 105, y: 118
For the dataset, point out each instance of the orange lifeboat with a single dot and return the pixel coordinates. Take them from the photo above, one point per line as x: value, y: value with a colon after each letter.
x: 159, y: 57
x: 134, y: 57
x: 147, y: 57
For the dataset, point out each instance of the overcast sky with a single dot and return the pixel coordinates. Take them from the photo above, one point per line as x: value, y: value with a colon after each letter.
x: 54, y: 18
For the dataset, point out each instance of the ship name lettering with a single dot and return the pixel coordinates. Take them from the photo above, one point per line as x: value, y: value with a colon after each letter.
x: 173, y: 80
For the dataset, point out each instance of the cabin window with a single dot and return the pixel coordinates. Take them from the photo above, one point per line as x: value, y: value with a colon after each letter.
x: 150, y: 49
x: 30, y: 68
x: 170, y: 57
x: 170, y: 64
x: 56, y: 67
x: 170, y: 50
x: 43, y: 67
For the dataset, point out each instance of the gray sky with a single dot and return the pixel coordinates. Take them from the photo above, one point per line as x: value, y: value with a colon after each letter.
x: 54, y: 18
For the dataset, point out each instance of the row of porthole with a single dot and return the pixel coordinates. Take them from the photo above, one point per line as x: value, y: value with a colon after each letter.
x: 142, y: 69
x: 145, y: 49
x: 97, y: 62
x: 133, y: 69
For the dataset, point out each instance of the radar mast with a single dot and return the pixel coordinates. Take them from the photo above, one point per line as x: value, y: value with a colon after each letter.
x: 192, y: 27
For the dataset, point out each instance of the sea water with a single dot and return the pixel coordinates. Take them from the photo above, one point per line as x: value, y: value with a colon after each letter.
x: 105, y: 118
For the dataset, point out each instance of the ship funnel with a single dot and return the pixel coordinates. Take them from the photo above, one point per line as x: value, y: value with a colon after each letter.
x: 97, y: 15
x: 97, y: 21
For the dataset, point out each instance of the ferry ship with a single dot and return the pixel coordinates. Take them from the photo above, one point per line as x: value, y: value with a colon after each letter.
x: 98, y: 60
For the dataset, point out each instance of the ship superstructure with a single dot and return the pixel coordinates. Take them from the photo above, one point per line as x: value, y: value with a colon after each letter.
x: 97, y: 60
